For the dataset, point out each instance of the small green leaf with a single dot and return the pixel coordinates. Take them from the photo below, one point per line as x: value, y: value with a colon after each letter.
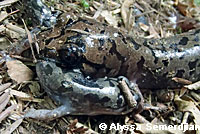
x: 85, y: 4
x: 197, y: 2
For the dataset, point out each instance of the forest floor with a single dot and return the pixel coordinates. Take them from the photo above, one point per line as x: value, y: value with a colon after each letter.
x: 20, y: 89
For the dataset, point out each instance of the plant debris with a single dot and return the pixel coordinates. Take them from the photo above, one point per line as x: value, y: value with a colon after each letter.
x: 20, y: 90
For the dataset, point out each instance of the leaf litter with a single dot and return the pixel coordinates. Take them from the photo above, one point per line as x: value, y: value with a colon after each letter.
x: 149, y: 19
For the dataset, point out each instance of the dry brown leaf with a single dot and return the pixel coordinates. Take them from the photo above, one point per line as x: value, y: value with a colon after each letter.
x: 195, y: 95
x: 35, y: 88
x: 7, y: 112
x: 189, y: 8
x: 12, y: 34
x: 113, y: 3
x: 3, y: 15
x: 109, y: 18
x: 30, y: 39
x: 90, y: 131
x: 181, y: 80
x: 24, y: 96
x: 4, y: 99
x: 19, y: 94
x: 4, y: 86
x: 7, y: 2
x: 16, y: 29
x: 194, y: 86
x: 12, y: 127
x: 18, y: 71
x: 153, y: 33
x: 144, y: 27
x: 187, y: 23
x: 125, y: 13
x: 183, y: 91
x: 2, y: 28
x: 183, y: 9
x: 188, y: 106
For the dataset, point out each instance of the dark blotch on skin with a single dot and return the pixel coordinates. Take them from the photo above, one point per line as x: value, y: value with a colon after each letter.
x: 85, y: 21
x: 196, y: 32
x: 184, y: 41
x: 180, y: 73
x: 94, y: 98
x: 123, y: 38
x: 192, y: 72
x: 196, y: 39
x: 119, y: 101
x: 182, y: 57
x: 174, y: 47
x: 69, y: 23
x: 105, y: 25
x: 86, y: 29
x: 136, y: 45
x: 102, y: 31
x: 48, y: 70
x: 105, y: 99
x: 101, y: 43
x: 111, y: 84
x: 146, y: 43
x: 165, y: 62
x: 47, y: 41
x: 192, y: 65
x: 69, y: 57
x: 76, y: 40
x: 141, y: 62
x: 113, y: 50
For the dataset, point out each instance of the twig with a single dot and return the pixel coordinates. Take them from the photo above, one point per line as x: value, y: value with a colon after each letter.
x: 140, y: 118
x: 4, y: 86
x: 21, y: 58
x: 7, y: 2
x: 127, y: 94
x: 147, y: 12
x: 194, y: 86
x: 185, y: 117
x: 30, y: 41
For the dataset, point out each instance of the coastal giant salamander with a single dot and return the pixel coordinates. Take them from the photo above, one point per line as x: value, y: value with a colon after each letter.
x: 100, y: 50
x: 77, y: 95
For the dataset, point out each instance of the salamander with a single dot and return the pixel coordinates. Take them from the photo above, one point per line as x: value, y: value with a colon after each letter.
x: 69, y: 88
x: 100, y: 50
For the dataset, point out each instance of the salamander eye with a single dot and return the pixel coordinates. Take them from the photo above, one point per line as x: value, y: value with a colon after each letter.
x: 70, y: 56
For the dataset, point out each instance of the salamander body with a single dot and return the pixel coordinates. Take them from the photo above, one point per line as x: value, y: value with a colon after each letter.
x: 101, y: 50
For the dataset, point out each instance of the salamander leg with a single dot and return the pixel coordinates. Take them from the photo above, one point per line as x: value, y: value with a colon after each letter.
x: 44, y: 114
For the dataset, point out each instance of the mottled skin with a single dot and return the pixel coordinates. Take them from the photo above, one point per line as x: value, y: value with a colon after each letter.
x: 80, y: 95
x: 101, y: 50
